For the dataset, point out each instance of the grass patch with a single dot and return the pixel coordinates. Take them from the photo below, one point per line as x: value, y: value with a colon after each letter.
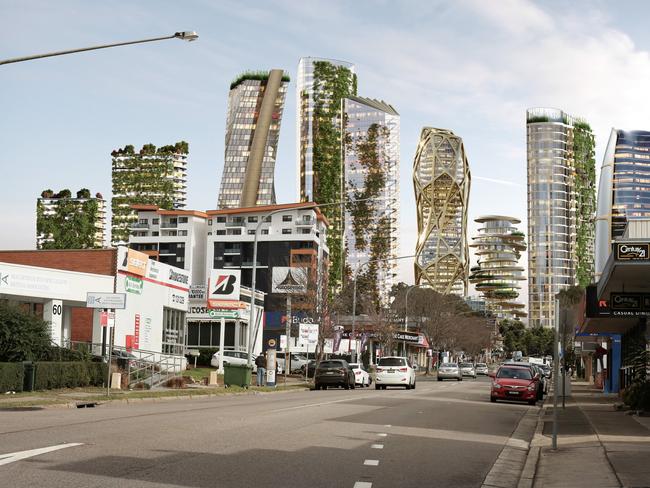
x: 197, y: 374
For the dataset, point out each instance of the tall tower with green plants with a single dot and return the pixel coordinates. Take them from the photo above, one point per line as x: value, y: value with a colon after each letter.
x: 151, y: 176
x: 322, y: 84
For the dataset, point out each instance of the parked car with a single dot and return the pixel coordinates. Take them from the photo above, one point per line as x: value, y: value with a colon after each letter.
x: 467, y: 369
x: 515, y: 382
x: 334, y: 372
x: 535, y: 371
x: 450, y: 371
x: 361, y: 376
x: 311, y: 369
x: 297, y: 361
x: 394, y: 371
x: 235, y: 357
x: 481, y: 368
x: 123, y: 358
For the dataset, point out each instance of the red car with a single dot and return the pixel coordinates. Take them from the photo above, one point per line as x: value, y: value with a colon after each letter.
x: 515, y: 383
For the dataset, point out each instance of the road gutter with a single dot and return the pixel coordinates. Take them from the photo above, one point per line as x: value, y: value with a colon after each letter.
x: 513, y: 462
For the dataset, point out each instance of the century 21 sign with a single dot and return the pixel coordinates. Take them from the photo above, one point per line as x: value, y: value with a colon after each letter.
x: 632, y: 252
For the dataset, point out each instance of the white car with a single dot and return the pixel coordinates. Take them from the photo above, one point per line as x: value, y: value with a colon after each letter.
x: 361, y: 376
x: 238, y: 358
x: 297, y: 361
x: 467, y: 369
x: 394, y: 371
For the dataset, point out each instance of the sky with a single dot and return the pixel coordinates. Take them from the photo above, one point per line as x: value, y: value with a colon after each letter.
x: 471, y: 66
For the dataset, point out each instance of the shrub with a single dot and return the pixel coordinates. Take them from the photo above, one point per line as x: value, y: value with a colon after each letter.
x: 23, y: 336
x: 51, y: 375
x: 637, y: 396
x: 205, y: 355
x: 11, y: 377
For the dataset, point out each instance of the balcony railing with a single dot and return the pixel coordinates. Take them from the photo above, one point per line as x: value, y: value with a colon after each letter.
x: 138, y: 225
x: 168, y: 225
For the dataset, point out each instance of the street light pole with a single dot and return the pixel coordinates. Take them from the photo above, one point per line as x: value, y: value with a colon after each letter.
x: 185, y: 35
x: 354, y: 294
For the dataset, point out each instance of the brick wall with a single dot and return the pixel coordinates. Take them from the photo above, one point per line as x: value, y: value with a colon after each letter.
x: 96, y: 261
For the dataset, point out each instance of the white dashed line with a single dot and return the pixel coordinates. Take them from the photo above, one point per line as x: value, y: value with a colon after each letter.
x: 387, y: 425
x: 362, y: 484
x: 371, y: 462
x: 12, y: 457
x: 377, y: 446
x: 382, y: 434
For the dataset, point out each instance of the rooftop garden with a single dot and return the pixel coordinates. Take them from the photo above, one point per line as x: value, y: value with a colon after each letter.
x: 255, y: 75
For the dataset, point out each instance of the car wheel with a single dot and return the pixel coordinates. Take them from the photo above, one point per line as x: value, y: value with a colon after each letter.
x: 408, y: 386
x: 346, y: 386
x: 439, y: 379
x: 413, y: 386
x: 324, y: 387
x: 493, y: 399
x: 353, y: 385
x: 532, y: 402
x: 317, y: 386
x: 383, y: 387
x: 377, y: 387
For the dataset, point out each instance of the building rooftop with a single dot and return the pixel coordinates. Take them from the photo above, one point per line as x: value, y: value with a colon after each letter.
x: 378, y: 104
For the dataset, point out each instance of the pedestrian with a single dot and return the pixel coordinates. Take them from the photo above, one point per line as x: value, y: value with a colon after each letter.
x: 260, y: 362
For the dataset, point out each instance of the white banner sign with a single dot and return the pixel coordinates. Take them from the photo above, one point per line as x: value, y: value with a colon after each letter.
x: 289, y: 280
x: 308, y: 334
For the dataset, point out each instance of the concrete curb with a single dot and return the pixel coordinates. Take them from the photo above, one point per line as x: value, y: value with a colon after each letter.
x: 511, y: 463
x: 127, y: 401
x: 527, y: 478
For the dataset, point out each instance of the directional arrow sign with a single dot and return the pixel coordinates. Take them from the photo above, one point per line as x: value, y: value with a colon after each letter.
x: 106, y: 300
x: 224, y: 314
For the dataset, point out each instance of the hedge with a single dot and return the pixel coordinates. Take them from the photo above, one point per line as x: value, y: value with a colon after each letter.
x: 637, y: 396
x: 11, y: 377
x: 69, y: 374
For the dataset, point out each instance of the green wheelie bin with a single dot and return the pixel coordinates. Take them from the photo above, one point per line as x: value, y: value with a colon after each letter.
x: 237, y: 374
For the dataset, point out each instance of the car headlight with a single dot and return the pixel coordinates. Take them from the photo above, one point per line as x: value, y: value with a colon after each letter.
x: 496, y: 385
x: 531, y: 388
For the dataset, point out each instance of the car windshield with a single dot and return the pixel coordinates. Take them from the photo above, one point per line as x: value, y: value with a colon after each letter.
x: 514, y: 373
x: 331, y: 364
x: 466, y: 365
x: 481, y: 365
x: 449, y: 365
x: 392, y: 362
x: 355, y: 365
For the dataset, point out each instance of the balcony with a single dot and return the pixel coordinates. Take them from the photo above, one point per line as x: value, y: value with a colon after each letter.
x: 139, y: 225
x: 236, y: 224
x: 168, y: 225
x: 305, y: 222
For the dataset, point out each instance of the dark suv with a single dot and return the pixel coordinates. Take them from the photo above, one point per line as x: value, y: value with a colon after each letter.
x: 334, y: 372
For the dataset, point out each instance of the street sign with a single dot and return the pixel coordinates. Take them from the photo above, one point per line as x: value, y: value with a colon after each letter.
x: 224, y: 314
x: 289, y: 280
x: 106, y: 300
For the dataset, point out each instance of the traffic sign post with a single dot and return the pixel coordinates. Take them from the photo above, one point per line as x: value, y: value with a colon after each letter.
x: 224, y: 314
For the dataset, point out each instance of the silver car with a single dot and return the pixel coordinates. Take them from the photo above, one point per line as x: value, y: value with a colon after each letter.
x: 467, y: 369
x: 449, y: 371
x: 481, y: 368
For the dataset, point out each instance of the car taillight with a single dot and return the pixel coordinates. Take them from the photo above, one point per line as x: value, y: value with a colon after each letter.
x: 403, y: 370
x: 357, y: 372
x: 379, y: 370
x: 342, y: 370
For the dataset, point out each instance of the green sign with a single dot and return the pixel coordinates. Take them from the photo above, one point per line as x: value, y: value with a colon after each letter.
x: 133, y: 285
x: 224, y: 314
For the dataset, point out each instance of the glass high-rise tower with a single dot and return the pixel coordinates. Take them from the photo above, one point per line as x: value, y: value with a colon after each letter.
x: 371, y: 175
x: 623, y: 189
x: 442, y: 179
x: 322, y: 84
x: 561, y: 206
x: 255, y: 106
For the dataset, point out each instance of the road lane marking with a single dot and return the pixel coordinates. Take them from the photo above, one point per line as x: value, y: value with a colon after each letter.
x: 307, y: 405
x: 387, y: 425
x: 377, y: 446
x: 362, y: 484
x: 381, y: 434
x: 12, y: 457
x: 371, y: 462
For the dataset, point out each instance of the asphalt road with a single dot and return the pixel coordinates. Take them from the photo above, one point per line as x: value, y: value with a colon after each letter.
x: 442, y: 434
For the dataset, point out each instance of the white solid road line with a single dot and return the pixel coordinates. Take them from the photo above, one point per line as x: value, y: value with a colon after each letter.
x: 12, y: 457
x: 362, y: 484
x: 371, y: 462
x: 377, y: 446
x: 382, y: 434
x: 307, y: 405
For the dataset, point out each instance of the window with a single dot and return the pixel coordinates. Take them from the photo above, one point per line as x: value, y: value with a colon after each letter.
x: 265, y: 232
x: 221, y: 220
x: 209, y: 221
x: 155, y: 221
x: 251, y: 232
x: 286, y: 231
x: 252, y: 219
x: 233, y: 232
x: 286, y: 218
x: 143, y: 221
x: 182, y: 220
x: 221, y: 232
x: 155, y: 233
x: 267, y: 219
x: 173, y: 332
x: 182, y: 232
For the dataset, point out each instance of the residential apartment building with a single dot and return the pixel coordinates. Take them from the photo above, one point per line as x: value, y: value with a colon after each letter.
x: 623, y: 189
x: 174, y: 237
x: 322, y: 84
x: 295, y: 236
x: 497, y: 274
x: 64, y: 222
x: 151, y: 176
x: 441, y: 179
x: 255, y: 106
x: 561, y: 204
x: 371, y: 130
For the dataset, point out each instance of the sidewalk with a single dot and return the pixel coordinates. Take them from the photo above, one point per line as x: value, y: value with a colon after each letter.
x: 598, y: 446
